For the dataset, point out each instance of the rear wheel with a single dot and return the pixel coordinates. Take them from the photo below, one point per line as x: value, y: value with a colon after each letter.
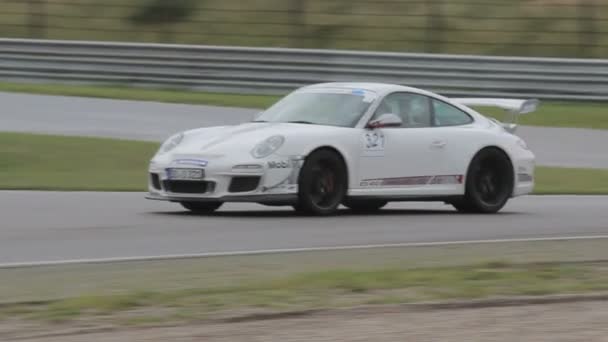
x: 322, y: 184
x: 201, y: 207
x: 365, y: 206
x: 489, y: 184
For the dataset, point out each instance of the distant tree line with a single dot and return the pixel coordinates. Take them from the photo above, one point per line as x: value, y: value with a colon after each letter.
x: 550, y: 28
x: 163, y: 15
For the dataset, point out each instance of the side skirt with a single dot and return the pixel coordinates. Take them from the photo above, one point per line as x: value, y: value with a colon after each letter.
x: 409, y: 198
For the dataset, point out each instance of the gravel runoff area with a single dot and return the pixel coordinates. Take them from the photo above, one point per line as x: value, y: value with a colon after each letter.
x: 576, y: 322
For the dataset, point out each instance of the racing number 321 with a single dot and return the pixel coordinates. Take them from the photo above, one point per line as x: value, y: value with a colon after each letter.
x: 374, y: 143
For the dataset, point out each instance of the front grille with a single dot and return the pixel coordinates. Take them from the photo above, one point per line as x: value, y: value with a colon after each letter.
x: 187, y: 187
x: 155, y: 179
x: 244, y: 183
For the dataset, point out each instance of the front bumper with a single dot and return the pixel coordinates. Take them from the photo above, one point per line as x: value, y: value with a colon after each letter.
x: 271, y: 180
x: 279, y: 199
x: 524, y: 176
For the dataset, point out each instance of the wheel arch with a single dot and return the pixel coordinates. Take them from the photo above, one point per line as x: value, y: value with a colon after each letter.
x: 500, y: 150
x: 340, y: 154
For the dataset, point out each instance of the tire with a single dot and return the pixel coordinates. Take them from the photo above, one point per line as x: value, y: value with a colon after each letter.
x: 322, y: 183
x: 298, y: 208
x: 489, y: 184
x: 463, y: 206
x: 201, y: 207
x: 365, y: 206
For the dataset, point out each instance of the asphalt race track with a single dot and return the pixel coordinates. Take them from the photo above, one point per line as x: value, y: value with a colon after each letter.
x: 156, y: 121
x: 136, y: 120
x: 51, y: 226
x: 55, y: 226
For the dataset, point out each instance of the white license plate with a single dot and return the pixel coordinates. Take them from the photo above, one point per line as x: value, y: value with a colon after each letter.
x: 185, y: 174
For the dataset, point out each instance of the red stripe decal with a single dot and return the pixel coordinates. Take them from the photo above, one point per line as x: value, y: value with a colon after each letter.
x: 418, y: 180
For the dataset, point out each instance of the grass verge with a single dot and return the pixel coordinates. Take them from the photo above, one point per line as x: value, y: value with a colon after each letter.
x: 560, y: 114
x: 555, y: 180
x: 46, y: 162
x: 41, y: 162
x: 550, y: 114
x: 68, y: 281
x: 182, y: 291
x: 331, y: 288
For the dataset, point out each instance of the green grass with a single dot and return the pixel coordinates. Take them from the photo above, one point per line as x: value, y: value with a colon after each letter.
x: 46, y: 162
x: 553, y: 180
x: 561, y: 114
x: 555, y: 114
x: 328, y: 289
x: 186, y: 290
x: 29, y: 161
x: 70, y: 281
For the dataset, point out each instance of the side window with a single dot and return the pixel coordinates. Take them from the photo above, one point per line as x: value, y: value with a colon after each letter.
x: 448, y: 115
x: 413, y: 109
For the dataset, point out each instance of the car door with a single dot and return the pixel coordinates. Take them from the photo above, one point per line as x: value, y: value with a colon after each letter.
x: 460, y: 136
x: 402, y: 160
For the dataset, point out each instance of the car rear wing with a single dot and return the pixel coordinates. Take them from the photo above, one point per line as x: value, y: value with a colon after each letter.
x: 514, y: 108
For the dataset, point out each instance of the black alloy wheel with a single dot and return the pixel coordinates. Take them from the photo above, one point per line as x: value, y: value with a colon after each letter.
x: 489, y: 183
x: 322, y: 183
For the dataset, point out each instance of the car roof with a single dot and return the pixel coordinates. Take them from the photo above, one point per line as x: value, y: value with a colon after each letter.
x: 379, y: 88
x: 382, y: 89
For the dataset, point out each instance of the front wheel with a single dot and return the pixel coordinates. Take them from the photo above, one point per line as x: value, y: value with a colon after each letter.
x: 322, y: 183
x: 489, y: 184
x: 201, y: 207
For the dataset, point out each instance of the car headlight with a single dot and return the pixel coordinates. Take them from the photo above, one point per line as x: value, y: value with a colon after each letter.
x: 171, y: 143
x: 268, y: 146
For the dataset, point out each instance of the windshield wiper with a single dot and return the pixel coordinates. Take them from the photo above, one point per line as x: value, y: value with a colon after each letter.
x: 259, y: 121
x: 302, y: 122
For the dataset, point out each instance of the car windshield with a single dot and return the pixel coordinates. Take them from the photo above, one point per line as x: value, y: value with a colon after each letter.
x: 333, y: 108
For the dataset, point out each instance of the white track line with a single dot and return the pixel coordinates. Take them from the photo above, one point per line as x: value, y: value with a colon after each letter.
x: 289, y: 250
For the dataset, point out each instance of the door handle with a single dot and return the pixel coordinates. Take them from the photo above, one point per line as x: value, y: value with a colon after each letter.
x: 438, y: 144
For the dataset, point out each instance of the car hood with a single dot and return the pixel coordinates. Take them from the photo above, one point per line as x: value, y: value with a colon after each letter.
x: 219, y: 141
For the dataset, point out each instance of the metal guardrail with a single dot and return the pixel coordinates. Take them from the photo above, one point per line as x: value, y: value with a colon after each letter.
x: 277, y: 71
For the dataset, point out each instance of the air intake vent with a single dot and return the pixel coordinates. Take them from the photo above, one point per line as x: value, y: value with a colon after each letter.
x: 244, y: 183
x: 186, y: 187
x: 155, y: 179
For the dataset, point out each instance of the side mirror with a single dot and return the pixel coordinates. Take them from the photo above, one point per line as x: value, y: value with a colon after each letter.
x: 385, y: 120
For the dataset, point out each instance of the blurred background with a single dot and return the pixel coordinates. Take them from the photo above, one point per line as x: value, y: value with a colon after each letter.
x: 557, y: 28
x: 81, y: 251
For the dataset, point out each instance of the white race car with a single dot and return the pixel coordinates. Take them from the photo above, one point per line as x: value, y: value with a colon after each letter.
x: 357, y: 144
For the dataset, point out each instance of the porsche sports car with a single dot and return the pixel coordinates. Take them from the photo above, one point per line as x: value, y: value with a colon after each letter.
x: 361, y: 145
